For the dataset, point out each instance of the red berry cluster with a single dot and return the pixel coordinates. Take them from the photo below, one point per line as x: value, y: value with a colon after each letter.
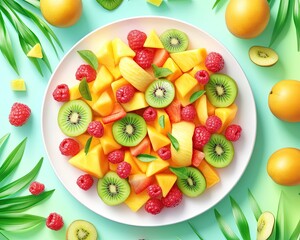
x: 54, y: 221
x: 19, y: 114
x: 36, y: 188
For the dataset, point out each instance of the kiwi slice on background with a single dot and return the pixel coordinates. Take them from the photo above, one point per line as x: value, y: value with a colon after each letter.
x: 112, y: 189
x: 192, y: 185
x: 130, y: 130
x: 174, y: 40
x: 221, y: 90
x: 74, y: 117
x: 263, y: 56
x: 110, y: 4
x: 81, y: 230
x: 160, y: 93
x: 266, y: 226
x: 219, y: 152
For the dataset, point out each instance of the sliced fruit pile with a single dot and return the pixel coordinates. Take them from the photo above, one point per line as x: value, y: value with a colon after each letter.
x: 150, y: 120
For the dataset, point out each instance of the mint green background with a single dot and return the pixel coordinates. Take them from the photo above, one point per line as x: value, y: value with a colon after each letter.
x: 272, y: 133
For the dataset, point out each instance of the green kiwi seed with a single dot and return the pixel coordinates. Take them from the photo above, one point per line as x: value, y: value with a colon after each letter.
x: 74, y: 117
x: 219, y: 152
x: 174, y: 40
x: 81, y: 230
x: 110, y: 4
x: 160, y: 93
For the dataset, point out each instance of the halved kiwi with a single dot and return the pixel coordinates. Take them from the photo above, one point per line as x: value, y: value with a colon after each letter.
x: 219, y: 152
x: 263, y: 56
x: 221, y: 90
x: 266, y: 226
x: 160, y: 93
x: 81, y: 230
x: 110, y: 4
x: 112, y: 189
x: 130, y: 130
x: 74, y: 117
x: 193, y: 184
x: 174, y: 40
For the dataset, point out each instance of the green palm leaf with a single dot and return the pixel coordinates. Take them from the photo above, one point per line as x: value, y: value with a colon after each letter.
x: 35, y: 3
x: 254, y: 206
x: 19, y: 222
x: 3, y: 140
x: 296, y: 18
x: 225, y: 228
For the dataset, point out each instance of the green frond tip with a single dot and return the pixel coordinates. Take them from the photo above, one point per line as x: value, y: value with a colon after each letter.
x: 195, y: 231
x: 19, y: 222
x: 224, y: 227
x: 3, y: 140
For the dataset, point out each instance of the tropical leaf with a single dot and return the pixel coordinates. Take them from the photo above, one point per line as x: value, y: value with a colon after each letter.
x: 280, y: 233
x: 35, y: 3
x: 18, y: 222
x: 254, y: 205
x: 296, y: 18
x: 296, y: 233
x: 195, y: 231
x: 3, y: 140
x: 224, y: 227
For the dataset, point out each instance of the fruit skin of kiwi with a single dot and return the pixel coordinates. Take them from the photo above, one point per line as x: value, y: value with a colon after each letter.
x: 160, y: 93
x: 263, y: 56
x: 110, y: 4
x: 74, y: 117
x: 194, y: 184
x: 266, y: 226
x: 130, y: 130
x: 174, y: 40
x: 221, y: 90
x: 81, y: 230
x: 219, y: 152
x: 112, y: 189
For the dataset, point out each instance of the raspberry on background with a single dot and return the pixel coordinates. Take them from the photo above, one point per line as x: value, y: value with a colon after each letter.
x: 61, y: 93
x: 19, y: 114
x: 214, y: 62
x: 202, y: 76
x: 233, y: 132
x: 95, y: 129
x: 188, y: 113
x: 125, y: 93
x: 150, y: 114
x: 201, y: 137
x: 213, y: 123
x: 164, y: 153
x: 154, y: 190
x: 116, y: 156
x: 136, y: 39
x: 54, y: 221
x: 144, y: 57
x: 86, y: 71
x: 69, y: 147
x: 123, y: 169
x: 154, y: 206
x: 36, y: 188
x: 173, y: 198
x: 85, y: 181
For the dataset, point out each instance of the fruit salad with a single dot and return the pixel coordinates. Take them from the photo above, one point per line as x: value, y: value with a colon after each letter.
x: 150, y: 121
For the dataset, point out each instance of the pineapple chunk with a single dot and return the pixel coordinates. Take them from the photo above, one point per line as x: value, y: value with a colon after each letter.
x: 201, y: 109
x: 18, y: 85
x: 74, y: 92
x: 107, y: 140
x: 35, y: 51
x: 210, y: 174
x: 103, y: 80
x: 226, y: 114
x: 185, y: 86
x: 155, y: 2
x: 105, y: 55
x: 167, y: 123
x: 136, y: 201
x: 115, y: 71
x: 157, y: 139
x: 104, y: 105
x: 170, y: 64
x: 129, y: 159
x: 121, y: 49
x: 165, y: 181
x: 156, y: 166
x: 137, y: 102
x: 82, y: 139
x: 153, y: 41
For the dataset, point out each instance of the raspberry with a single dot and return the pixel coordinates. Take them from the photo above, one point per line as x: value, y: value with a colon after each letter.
x: 95, y: 129
x: 201, y: 137
x: 154, y: 206
x: 150, y: 114
x: 85, y: 181
x: 173, y: 198
x: 123, y: 169
x: 69, y: 147
x: 86, y: 71
x: 136, y: 39
x: 54, y: 221
x: 125, y: 94
x: 61, y: 93
x: 116, y: 156
x: 188, y: 113
x: 154, y: 191
x: 202, y: 76
x: 144, y: 57
x: 213, y: 123
x: 36, y: 188
x: 214, y: 62
x: 19, y: 114
x: 233, y: 132
x: 164, y: 153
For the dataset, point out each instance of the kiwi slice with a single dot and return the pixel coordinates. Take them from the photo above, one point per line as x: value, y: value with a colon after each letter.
x: 74, y: 117
x: 266, y: 226
x: 81, y: 230
x: 263, y: 56
x: 160, y: 93
x: 193, y: 184
x: 218, y: 151
x: 130, y: 130
x: 174, y: 40
x: 221, y: 90
x: 110, y: 4
x: 112, y: 189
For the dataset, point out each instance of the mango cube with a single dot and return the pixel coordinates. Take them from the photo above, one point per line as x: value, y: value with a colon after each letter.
x: 117, y: 84
x: 102, y: 81
x: 185, y: 86
x: 158, y: 140
x: 210, y: 174
x: 105, y: 55
x: 201, y: 109
x: 104, y: 105
x: 18, y: 85
x: 165, y: 181
x: 136, y: 201
x: 137, y: 102
x: 170, y: 64
x: 153, y: 41
x: 226, y: 114
x: 121, y: 49
x: 107, y: 140
x: 156, y: 166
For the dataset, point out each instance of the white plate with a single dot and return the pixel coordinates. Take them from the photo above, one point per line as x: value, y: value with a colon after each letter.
x: 190, y: 207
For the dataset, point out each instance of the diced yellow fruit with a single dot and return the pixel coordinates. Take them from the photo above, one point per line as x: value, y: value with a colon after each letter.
x: 82, y: 139
x: 134, y: 74
x: 95, y: 98
x: 136, y: 201
x: 161, y: 114
x: 183, y: 132
x: 94, y: 163
x: 210, y: 174
x: 105, y: 55
x: 165, y: 181
x: 185, y: 86
x: 115, y: 71
x: 170, y: 64
x: 186, y: 60
x: 103, y: 80
x: 186, y: 99
x: 152, y: 40
x: 74, y: 92
x: 143, y: 166
x: 107, y: 140
x: 134, y: 167
x: 156, y: 166
x: 155, y: 2
x: 201, y: 109
x: 104, y: 105
x: 121, y: 49
x: 197, y: 68
x: 158, y: 140
x: 210, y: 108
x: 35, y: 51
x: 117, y: 84
x: 227, y: 115
x: 18, y: 85
x: 137, y: 102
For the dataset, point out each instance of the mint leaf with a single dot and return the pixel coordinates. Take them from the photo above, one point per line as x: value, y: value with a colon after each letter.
x: 88, y: 145
x: 146, y: 157
x: 196, y: 95
x: 174, y: 142
x: 180, y: 172
x: 161, y: 121
x: 89, y: 57
x: 161, y: 72
x: 85, y: 90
